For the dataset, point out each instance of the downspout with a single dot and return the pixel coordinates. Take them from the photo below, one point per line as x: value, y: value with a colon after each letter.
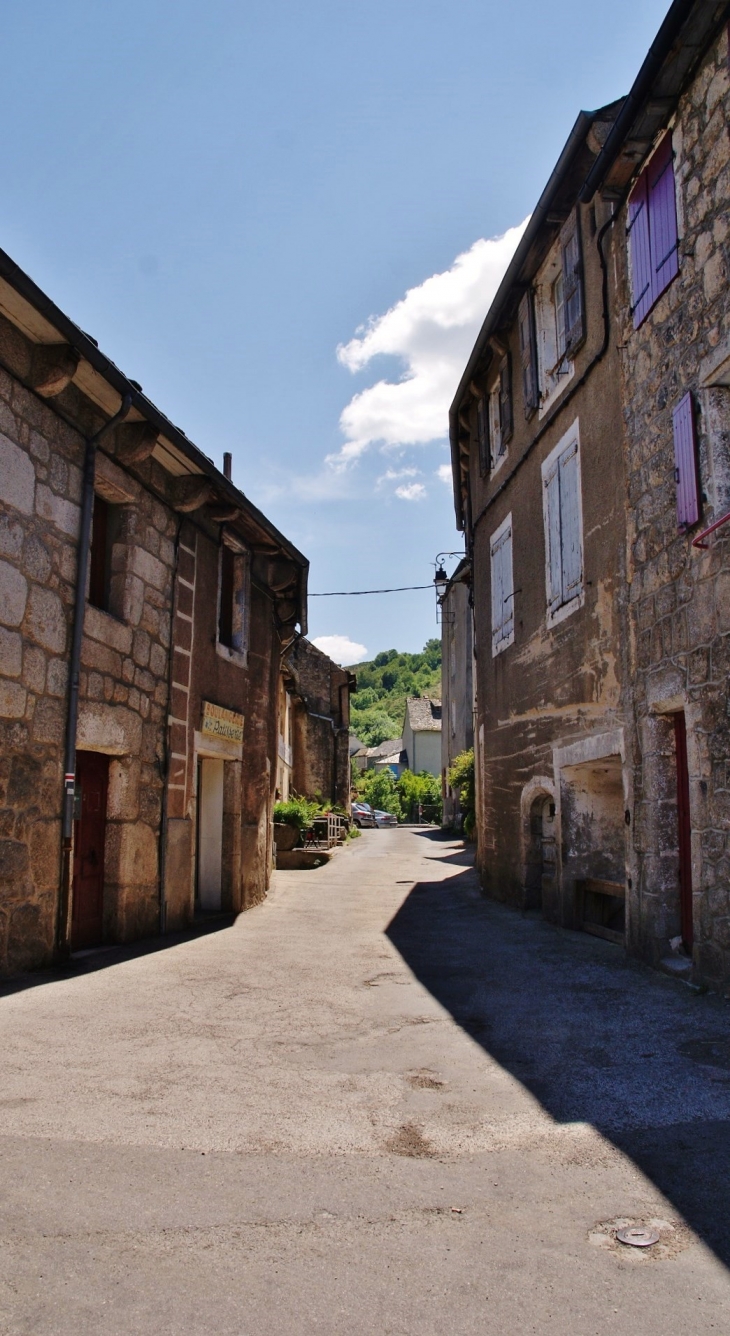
x: 569, y: 394
x: 69, y: 776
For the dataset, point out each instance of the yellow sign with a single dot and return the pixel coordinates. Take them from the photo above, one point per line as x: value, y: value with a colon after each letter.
x: 220, y: 723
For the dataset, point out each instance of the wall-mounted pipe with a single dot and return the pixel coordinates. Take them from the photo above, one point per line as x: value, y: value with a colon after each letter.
x: 69, y: 767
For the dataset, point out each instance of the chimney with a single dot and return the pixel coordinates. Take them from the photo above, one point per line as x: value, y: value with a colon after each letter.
x: 227, y: 464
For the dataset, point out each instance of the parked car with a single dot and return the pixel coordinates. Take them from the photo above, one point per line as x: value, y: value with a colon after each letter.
x: 385, y: 818
x: 362, y: 814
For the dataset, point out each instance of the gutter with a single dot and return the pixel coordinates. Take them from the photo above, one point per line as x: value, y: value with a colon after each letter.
x: 575, y: 140
x: 563, y: 402
x: 82, y: 569
x: 660, y: 48
x: 89, y: 350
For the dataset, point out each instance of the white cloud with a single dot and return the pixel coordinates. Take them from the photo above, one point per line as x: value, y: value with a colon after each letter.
x: 443, y: 473
x: 412, y: 491
x: 433, y: 330
x: 340, y: 648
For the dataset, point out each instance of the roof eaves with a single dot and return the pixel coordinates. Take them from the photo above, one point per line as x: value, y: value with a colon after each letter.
x: 575, y: 140
x: 688, y: 28
x: 88, y: 349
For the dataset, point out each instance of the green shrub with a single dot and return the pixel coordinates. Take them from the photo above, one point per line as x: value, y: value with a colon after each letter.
x: 299, y: 812
x: 461, y: 778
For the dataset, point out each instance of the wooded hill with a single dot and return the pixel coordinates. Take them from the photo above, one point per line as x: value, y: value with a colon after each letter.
x: 383, y: 683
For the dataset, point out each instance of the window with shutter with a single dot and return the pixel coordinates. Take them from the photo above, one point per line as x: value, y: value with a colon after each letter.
x: 503, y: 613
x: 563, y: 527
x: 528, y: 353
x: 652, y: 231
x: 483, y: 434
x: 572, y: 288
x: 233, y: 599
x: 505, y: 403
x: 685, y: 463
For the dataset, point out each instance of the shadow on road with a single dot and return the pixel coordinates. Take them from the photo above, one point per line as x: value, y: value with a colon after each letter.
x: 594, y: 1036
x: 103, y: 957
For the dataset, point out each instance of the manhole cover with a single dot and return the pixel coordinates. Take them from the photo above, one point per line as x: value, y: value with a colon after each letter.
x: 711, y: 1052
x: 638, y: 1236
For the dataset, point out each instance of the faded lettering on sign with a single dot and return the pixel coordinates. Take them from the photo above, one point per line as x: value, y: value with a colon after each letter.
x: 220, y: 723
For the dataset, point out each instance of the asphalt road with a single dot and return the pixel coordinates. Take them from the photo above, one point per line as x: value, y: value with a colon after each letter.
x: 375, y: 1104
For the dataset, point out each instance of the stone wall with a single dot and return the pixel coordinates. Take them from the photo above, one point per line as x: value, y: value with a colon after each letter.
x: 123, y: 684
x: 680, y: 596
x: 321, y: 721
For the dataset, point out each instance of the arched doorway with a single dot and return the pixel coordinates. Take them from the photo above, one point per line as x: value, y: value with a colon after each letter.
x: 540, y: 849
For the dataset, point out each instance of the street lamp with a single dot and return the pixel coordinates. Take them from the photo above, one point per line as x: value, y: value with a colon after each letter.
x: 440, y: 580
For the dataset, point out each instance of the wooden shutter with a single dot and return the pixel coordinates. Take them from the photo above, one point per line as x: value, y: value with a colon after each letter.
x: 640, y: 251
x: 570, y: 246
x: 497, y: 594
x: 662, y: 208
x: 552, y: 525
x: 502, y: 591
x: 483, y: 433
x: 505, y: 403
x: 570, y: 535
x: 528, y: 353
x: 685, y: 463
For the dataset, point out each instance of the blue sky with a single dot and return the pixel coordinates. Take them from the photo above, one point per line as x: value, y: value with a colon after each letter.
x: 225, y: 195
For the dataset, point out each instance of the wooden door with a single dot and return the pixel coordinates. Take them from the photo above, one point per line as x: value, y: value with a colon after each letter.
x: 210, y: 834
x: 684, y: 831
x: 92, y: 777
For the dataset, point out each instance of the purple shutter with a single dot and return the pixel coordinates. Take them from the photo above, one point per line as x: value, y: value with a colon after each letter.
x: 685, y: 463
x: 640, y: 251
x: 663, y: 235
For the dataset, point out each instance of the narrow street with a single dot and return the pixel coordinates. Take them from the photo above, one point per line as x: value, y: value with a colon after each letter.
x: 375, y: 1104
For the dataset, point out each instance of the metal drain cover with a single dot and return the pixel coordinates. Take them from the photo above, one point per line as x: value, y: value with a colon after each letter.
x: 637, y: 1236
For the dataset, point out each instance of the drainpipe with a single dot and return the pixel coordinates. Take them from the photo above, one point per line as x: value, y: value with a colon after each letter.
x: 69, y: 777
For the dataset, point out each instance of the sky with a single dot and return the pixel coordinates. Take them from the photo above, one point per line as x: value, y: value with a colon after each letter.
x: 287, y: 221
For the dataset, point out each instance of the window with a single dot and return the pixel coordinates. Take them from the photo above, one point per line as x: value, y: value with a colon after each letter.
x: 499, y: 410
x: 105, y: 524
x: 560, y: 319
x: 483, y: 434
x: 572, y: 305
x: 233, y: 599
x: 559, y: 308
x: 652, y: 232
x: 528, y: 354
x: 563, y: 527
x: 685, y: 463
x: 503, y: 594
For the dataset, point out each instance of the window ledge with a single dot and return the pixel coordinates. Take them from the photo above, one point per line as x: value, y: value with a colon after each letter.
x: 566, y: 609
x: 237, y: 656
x: 555, y: 393
x: 503, y: 645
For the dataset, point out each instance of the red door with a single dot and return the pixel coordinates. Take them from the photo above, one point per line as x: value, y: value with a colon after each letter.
x: 92, y: 775
x: 684, y: 831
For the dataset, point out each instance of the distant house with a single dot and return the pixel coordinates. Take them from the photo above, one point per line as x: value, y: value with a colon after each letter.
x: 422, y: 735
x: 386, y: 756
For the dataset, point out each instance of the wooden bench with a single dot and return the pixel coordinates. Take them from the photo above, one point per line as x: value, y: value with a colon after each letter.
x: 609, y: 891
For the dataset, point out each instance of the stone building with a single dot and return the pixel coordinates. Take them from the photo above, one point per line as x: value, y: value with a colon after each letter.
x: 666, y: 171
x: 422, y: 735
x: 590, y: 447
x: 457, y: 685
x: 318, y: 692
x: 540, y: 495
x: 144, y: 603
